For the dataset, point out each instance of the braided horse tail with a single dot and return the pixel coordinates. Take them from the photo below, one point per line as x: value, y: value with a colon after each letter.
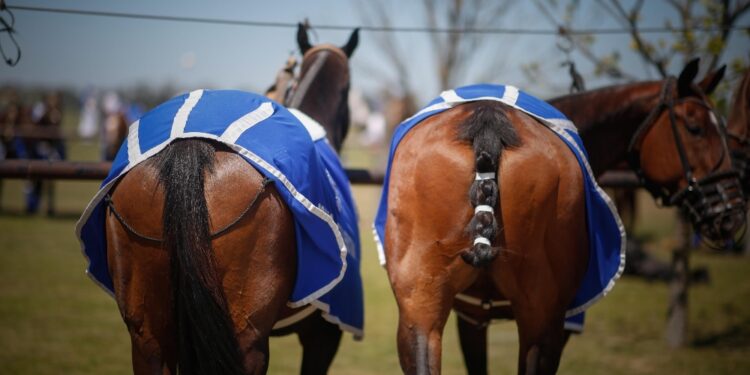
x: 489, y: 131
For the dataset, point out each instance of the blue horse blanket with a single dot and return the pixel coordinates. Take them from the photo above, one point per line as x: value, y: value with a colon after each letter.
x: 290, y: 149
x: 605, y: 230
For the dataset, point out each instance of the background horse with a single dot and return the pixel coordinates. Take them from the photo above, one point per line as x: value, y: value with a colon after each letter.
x: 652, y: 123
x: 738, y: 133
x: 319, y: 337
x: 202, y: 253
x: 684, y: 163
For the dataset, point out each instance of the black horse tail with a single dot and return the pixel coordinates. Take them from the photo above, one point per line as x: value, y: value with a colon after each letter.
x: 489, y: 131
x: 205, y: 332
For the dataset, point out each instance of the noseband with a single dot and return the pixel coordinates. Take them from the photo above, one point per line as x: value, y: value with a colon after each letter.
x: 702, y: 200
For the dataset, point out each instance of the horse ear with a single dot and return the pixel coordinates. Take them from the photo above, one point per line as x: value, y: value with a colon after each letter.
x: 352, y: 43
x: 302, y: 41
x: 712, y: 79
x: 685, y: 81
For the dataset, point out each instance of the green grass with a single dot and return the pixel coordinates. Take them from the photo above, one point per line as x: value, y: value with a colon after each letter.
x: 54, y: 320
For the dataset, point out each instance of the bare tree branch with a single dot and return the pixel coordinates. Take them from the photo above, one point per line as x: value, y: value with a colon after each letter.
x: 644, y: 49
x: 453, y: 50
x: 610, y: 70
x: 728, y: 19
x: 387, y: 43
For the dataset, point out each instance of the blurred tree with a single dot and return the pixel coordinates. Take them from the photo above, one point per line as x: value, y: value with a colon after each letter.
x: 453, y: 51
x: 699, y: 28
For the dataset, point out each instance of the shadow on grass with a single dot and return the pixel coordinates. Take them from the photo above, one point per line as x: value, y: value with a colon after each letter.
x: 736, y: 336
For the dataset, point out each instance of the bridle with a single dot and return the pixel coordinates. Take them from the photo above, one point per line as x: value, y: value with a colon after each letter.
x: 300, y: 88
x: 702, y: 200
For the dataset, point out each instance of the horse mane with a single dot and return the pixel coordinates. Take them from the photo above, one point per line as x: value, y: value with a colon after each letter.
x: 600, y: 106
x: 206, y: 343
x: 489, y: 131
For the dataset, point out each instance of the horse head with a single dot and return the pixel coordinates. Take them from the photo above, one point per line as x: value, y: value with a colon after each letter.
x: 680, y: 154
x: 322, y: 89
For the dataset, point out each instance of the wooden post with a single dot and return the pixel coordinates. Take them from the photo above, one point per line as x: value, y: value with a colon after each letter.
x: 677, y: 320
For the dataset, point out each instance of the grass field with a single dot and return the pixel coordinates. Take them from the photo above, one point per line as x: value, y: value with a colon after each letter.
x: 54, y: 320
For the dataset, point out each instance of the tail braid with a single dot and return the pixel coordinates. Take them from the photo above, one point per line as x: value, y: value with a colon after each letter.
x: 489, y: 131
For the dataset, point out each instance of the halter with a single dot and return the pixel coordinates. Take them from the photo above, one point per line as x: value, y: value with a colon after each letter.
x: 704, y: 199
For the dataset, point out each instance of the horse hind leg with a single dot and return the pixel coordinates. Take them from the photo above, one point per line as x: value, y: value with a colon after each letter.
x: 473, y: 340
x: 320, y: 342
x: 541, y: 344
x: 137, y: 266
x: 424, y: 299
x: 144, y: 364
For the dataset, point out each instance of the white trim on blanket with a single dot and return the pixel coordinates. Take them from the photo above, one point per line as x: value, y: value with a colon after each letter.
x: 379, y: 245
x: 317, y: 131
x: 356, y: 332
x: 134, y: 147
x: 450, y: 96
x: 242, y: 124
x: 294, y: 318
x: 510, y: 95
x: 573, y: 327
x: 180, y: 119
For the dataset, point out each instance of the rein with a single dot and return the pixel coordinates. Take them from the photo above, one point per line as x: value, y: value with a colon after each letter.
x: 218, y: 233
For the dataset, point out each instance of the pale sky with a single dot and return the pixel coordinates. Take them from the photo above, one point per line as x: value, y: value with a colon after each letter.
x: 84, y: 51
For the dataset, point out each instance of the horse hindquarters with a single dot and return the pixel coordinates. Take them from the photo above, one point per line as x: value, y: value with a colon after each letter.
x: 428, y: 210
x: 545, y: 240
x: 226, y: 292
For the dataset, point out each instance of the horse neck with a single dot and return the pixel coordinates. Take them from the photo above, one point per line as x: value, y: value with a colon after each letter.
x: 608, y: 118
x: 317, y: 110
x: 322, y: 102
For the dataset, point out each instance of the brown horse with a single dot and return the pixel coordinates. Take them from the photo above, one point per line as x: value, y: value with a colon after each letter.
x: 540, y: 208
x: 528, y: 277
x: 205, y: 298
